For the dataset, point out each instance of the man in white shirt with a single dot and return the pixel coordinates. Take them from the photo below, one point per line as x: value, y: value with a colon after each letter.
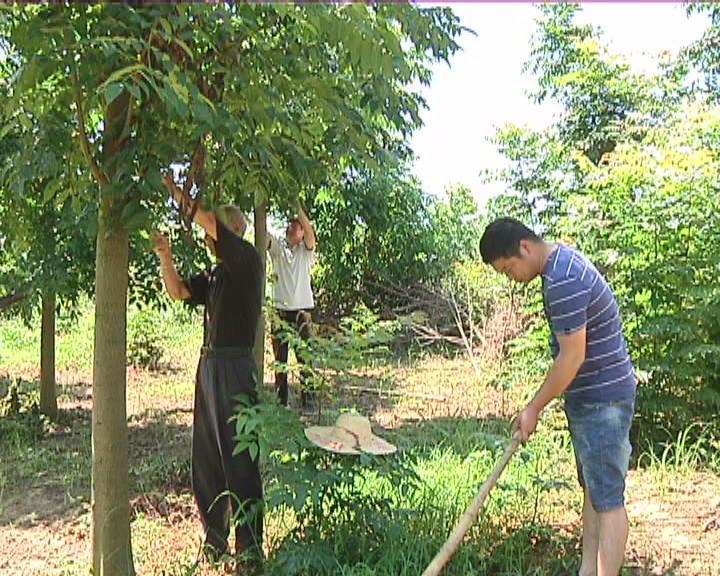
x: 292, y: 258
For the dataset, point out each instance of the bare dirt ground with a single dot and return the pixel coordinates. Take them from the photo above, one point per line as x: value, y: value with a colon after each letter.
x: 44, y: 523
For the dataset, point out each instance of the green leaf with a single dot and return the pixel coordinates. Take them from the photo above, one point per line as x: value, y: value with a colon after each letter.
x: 134, y: 215
x: 207, y: 101
x: 202, y: 112
x: 184, y: 46
x: 51, y: 189
x: 250, y: 426
x: 25, y: 121
x: 301, y: 496
x: 30, y: 75
x: 154, y: 178
x: 123, y: 73
x: 112, y: 91
x: 134, y: 89
x: 171, y: 99
x: 166, y: 27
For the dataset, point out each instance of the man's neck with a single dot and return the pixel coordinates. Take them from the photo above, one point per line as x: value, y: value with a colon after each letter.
x: 545, y: 251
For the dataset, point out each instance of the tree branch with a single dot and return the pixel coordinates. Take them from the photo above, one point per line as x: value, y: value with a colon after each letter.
x: 459, y: 323
x: 84, y: 141
x: 196, y: 175
x: 10, y: 299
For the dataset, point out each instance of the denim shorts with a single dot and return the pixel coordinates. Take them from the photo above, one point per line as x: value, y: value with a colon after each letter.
x: 601, y: 439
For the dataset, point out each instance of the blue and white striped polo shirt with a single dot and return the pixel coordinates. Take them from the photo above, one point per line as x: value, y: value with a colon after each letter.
x: 575, y: 295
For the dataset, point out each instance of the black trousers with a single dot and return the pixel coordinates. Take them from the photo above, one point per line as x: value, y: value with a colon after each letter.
x: 223, y: 374
x: 302, y: 322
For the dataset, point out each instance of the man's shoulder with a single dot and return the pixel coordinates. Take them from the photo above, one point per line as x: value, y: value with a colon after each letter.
x: 240, y: 248
x: 278, y: 243
x: 250, y: 250
x: 567, y: 269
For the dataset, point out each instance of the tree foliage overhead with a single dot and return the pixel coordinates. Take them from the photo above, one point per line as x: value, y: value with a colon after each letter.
x: 598, y: 92
x: 705, y: 52
x: 277, y: 99
x: 46, y: 245
x: 281, y: 97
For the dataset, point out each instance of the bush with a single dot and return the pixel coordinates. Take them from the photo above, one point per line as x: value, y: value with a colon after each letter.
x: 145, y: 339
x: 380, y: 234
x: 20, y: 417
x: 326, y: 494
x: 356, y: 341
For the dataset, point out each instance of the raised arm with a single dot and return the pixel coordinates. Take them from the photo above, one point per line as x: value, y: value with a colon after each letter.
x: 173, y: 283
x: 205, y: 218
x: 310, y: 240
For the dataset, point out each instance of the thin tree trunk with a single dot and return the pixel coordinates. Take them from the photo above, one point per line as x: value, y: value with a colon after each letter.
x: 261, y: 245
x: 112, y: 550
x: 112, y: 553
x: 48, y: 397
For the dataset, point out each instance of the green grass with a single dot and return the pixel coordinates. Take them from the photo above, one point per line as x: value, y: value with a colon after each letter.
x: 403, y: 537
x: 37, y: 456
x: 20, y: 342
x: 177, y: 333
x: 391, y: 515
x: 36, y: 453
x: 679, y: 457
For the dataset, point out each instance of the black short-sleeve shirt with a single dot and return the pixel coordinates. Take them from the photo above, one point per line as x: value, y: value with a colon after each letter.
x: 230, y: 292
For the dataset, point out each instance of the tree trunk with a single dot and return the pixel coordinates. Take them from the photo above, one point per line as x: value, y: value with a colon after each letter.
x: 48, y: 398
x: 112, y: 550
x: 261, y: 245
x: 112, y: 553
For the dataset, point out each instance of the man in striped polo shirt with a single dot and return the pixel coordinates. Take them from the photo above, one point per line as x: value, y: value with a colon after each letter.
x: 591, y: 369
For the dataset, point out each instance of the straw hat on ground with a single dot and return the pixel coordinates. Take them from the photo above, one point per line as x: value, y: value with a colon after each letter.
x: 351, y: 434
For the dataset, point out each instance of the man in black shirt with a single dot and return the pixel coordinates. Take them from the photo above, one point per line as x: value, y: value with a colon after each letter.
x: 230, y: 293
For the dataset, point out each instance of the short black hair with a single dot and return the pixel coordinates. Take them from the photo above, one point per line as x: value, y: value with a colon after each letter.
x: 502, y: 237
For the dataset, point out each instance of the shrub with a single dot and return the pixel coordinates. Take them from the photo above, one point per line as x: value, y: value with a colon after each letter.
x: 20, y: 417
x: 145, y: 339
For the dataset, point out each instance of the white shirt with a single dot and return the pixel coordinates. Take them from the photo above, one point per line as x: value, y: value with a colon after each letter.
x: 291, y: 266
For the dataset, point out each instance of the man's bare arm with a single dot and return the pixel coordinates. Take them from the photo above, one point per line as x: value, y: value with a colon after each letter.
x: 174, y: 285
x: 310, y: 240
x: 564, y: 369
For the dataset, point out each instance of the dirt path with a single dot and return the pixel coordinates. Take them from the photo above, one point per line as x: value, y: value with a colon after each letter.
x: 675, y: 529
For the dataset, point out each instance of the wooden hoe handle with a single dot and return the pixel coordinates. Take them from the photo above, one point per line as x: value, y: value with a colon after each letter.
x: 471, y: 514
